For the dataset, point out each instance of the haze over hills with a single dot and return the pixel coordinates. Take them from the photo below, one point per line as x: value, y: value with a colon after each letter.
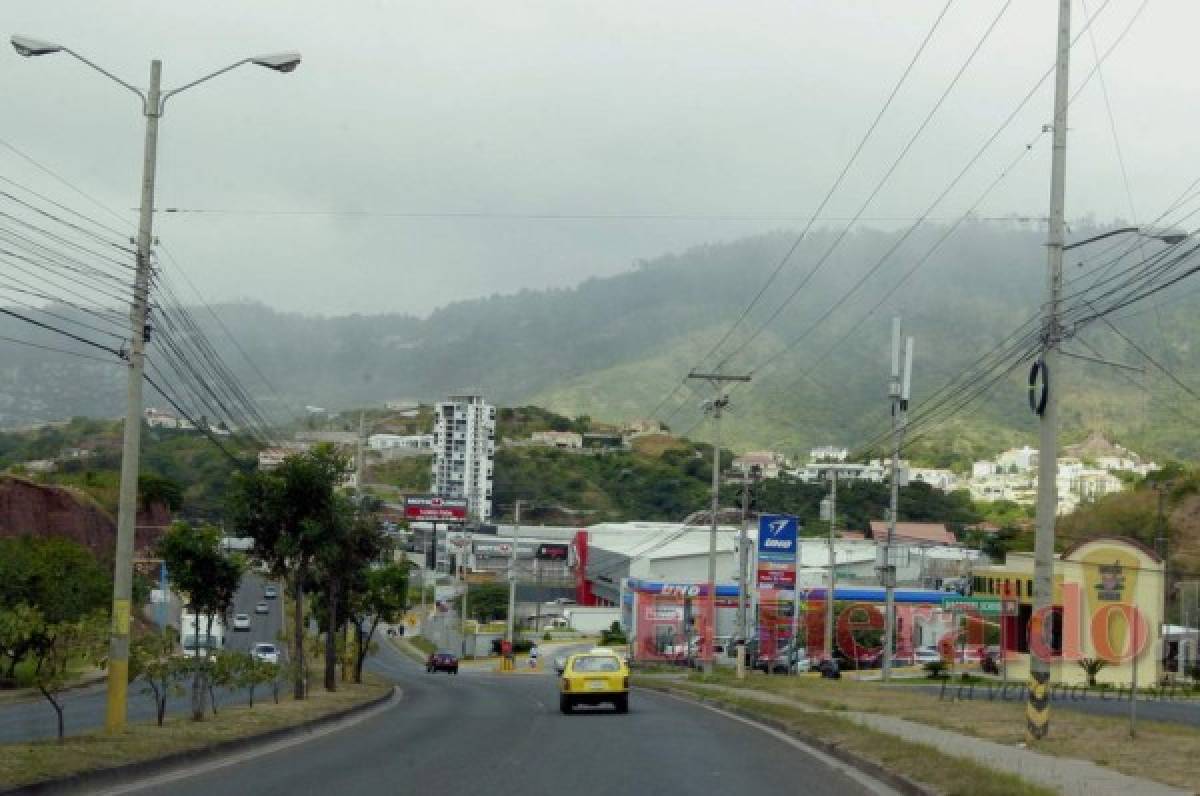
x: 614, y: 348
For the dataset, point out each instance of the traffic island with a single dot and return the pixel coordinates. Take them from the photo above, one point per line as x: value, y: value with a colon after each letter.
x: 84, y: 762
x: 933, y: 738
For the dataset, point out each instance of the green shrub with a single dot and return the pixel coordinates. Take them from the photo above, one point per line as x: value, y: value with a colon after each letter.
x: 936, y: 669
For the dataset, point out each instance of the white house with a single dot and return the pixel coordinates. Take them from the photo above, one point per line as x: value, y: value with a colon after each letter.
x: 557, y: 439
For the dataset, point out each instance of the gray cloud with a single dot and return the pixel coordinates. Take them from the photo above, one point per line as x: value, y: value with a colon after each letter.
x: 688, y: 108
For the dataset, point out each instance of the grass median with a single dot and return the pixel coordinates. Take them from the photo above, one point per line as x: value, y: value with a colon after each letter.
x: 1162, y: 751
x: 26, y: 763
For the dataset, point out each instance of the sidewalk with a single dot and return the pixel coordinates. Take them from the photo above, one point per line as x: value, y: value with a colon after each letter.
x: 1064, y: 775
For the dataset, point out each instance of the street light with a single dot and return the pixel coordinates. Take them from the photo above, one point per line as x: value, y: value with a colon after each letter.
x: 153, y: 103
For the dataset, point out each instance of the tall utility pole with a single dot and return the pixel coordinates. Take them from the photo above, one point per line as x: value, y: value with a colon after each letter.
x: 714, y: 407
x: 743, y: 538
x: 1037, y: 708
x: 153, y: 102
x: 898, y: 392
x: 512, y: 578
x: 828, y: 647
x: 118, y: 648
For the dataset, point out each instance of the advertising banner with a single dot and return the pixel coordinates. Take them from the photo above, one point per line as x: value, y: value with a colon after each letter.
x: 433, y: 507
x: 777, y: 538
x: 552, y: 552
x: 777, y: 577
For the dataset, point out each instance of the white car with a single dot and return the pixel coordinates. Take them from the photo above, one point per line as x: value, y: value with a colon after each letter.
x: 270, y: 592
x: 241, y: 621
x: 262, y: 608
x: 924, y: 655
x: 265, y: 652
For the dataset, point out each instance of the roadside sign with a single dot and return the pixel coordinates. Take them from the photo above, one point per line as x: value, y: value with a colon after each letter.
x: 980, y: 605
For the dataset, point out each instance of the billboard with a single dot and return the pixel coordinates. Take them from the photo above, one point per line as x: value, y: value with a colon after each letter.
x: 434, y: 507
x: 777, y: 549
x: 552, y: 552
x: 777, y: 538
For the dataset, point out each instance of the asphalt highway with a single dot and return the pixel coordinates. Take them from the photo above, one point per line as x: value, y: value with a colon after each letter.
x: 490, y: 733
x: 85, y: 707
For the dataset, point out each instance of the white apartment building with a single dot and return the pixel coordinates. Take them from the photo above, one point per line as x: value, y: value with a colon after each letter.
x: 464, y: 444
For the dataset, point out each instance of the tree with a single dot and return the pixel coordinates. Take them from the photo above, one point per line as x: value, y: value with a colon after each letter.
x: 489, y: 601
x: 152, y: 657
x: 209, y: 578
x: 288, y: 511
x: 340, y: 566
x: 56, y: 579
x: 226, y: 670
x: 383, y: 598
x: 1092, y: 667
x: 255, y: 672
x: 84, y: 639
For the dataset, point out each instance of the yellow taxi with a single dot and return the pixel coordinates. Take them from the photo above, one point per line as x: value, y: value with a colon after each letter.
x: 595, y: 677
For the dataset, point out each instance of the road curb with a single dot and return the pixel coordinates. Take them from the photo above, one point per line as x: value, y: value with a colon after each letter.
x: 88, y: 781
x: 903, y: 784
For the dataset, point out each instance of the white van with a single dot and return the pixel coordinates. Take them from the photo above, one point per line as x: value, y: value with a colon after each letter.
x: 195, y: 635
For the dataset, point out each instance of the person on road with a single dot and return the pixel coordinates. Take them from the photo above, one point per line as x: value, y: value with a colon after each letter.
x: 533, y: 656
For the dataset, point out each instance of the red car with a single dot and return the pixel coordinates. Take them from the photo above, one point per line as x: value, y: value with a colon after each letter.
x: 442, y: 662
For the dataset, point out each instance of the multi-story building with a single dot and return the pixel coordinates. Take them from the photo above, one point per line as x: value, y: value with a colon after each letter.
x: 464, y: 443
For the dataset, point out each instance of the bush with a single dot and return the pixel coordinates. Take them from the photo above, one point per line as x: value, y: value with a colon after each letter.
x: 612, y: 635
x: 936, y: 669
x: 546, y: 636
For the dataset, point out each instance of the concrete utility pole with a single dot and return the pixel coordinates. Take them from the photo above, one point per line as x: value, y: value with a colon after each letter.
x: 1037, y: 708
x: 153, y: 103
x: 828, y: 647
x: 898, y: 392
x: 749, y: 479
x: 510, y: 625
x: 714, y: 407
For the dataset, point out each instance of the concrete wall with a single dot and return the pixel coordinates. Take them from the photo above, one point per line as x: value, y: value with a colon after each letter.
x: 587, y: 619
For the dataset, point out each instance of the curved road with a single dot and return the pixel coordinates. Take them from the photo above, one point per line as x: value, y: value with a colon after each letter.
x: 487, y: 733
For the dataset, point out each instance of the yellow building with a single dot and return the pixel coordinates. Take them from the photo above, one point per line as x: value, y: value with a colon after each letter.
x: 1103, y: 589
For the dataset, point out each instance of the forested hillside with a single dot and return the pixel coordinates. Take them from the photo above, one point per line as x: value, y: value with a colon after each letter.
x: 616, y: 348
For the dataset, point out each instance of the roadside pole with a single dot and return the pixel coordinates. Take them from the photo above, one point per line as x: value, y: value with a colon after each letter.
x: 1037, y: 707
x: 828, y: 646
x: 714, y: 406
x: 898, y: 391
x: 510, y: 625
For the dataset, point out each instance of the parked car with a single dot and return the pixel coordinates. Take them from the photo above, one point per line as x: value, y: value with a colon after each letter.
x: 442, y: 661
x: 270, y: 592
x: 265, y: 652
x: 241, y: 622
x: 786, y: 661
x: 924, y: 655
x: 262, y: 608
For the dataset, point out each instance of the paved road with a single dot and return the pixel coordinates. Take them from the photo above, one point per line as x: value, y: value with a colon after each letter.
x: 263, y: 627
x: 488, y: 733
x: 25, y: 721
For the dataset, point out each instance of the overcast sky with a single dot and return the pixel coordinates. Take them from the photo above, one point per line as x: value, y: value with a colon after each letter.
x: 414, y: 113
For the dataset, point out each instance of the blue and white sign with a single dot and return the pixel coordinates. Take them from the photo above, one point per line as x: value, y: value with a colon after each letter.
x: 777, y: 538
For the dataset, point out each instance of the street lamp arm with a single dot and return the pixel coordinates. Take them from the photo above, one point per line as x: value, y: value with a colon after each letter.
x: 141, y: 94
x: 168, y: 94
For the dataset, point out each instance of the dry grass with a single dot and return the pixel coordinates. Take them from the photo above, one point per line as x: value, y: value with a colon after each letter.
x: 24, y: 763
x: 920, y: 762
x: 657, y: 444
x: 1162, y: 751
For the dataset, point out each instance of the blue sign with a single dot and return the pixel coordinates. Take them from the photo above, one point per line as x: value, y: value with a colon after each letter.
x: 777, y: 538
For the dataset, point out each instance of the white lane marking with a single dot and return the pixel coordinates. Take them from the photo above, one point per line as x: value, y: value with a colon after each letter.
x: 861, y: 777
x: 256, y: 752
